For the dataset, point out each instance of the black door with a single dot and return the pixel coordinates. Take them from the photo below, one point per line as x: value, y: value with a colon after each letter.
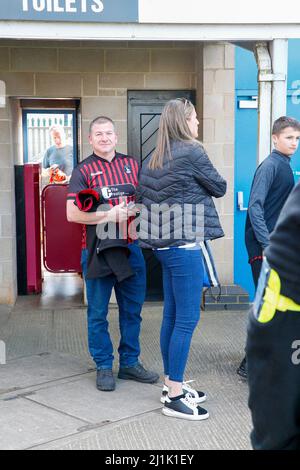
x: 144, y: 110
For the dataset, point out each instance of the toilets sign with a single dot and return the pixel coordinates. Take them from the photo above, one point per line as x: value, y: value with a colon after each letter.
x: 105, y: 11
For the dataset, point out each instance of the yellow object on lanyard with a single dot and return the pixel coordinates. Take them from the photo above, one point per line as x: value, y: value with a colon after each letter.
x: 273, y: 300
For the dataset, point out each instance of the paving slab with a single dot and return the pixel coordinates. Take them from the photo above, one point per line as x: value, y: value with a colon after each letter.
x: 227, y: 428
x: 31, y: 332
x: 82, y: 400
x: 35, y: 370
x: 27, y: 333
x: 70, y: 332
x: 218, y: 342
x: 49, y: 374
x: 24, y: 424
x: 4, y: 313
x: 30, y: 303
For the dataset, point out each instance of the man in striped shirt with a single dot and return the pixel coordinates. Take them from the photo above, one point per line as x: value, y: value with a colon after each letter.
x: 116, y: 176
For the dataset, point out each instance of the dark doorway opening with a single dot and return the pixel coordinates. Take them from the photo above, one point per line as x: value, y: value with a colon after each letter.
x: 39, y: 118
x: 144, y: 111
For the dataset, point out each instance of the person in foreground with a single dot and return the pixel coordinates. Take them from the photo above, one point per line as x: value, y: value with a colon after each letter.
x: 179, y: 180
x: 112, y: 263
x: 273, y: 343
x: 272, y: 184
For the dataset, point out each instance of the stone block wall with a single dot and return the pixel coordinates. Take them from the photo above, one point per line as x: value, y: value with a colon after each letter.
x: 100, y: 74
x: 218, y: 139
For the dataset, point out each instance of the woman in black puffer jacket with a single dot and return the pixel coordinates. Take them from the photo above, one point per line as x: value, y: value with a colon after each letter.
x: 176, y: 189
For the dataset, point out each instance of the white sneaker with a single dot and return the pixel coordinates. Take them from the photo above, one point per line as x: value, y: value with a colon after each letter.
x: 197, y: 395
x: 184, y: 407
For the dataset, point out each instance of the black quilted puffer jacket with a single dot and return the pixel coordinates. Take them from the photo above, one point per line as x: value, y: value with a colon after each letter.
x: 187, y: 182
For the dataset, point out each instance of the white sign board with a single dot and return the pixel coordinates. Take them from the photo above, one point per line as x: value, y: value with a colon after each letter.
x: 218, y: 12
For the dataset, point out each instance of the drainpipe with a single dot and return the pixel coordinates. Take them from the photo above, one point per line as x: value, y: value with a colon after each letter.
x: 272, y: 80
x: 264, y: 65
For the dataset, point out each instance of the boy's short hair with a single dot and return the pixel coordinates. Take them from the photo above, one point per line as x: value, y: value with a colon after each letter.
x: 283, y: 122
x: 101, y: 120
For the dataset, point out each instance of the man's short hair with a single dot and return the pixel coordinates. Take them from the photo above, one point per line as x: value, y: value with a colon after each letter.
x: 57, y: 128
x: 100, y: 120
x: 283, y: 122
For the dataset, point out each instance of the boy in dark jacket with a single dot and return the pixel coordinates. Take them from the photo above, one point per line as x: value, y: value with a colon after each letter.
x: 273, y: 344
x: 273, y: 181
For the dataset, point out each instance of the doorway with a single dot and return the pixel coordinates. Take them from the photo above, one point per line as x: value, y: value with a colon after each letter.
x: 144, y: 111
x: 50, y: 141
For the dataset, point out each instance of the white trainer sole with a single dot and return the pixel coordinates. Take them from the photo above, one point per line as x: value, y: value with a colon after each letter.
x: 176, y: 414
x: 198, y: 401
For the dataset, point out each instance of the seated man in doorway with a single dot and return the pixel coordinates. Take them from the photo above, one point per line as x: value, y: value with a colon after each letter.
x: 58, y: 158
x: 116, y: 177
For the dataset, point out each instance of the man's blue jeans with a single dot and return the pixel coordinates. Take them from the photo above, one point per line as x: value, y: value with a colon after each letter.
x: 182, y: 280
x: 130, y: 295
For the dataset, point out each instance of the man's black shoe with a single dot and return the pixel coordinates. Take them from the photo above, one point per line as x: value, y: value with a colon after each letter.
x: 105, y: 380
x: 242, y: 369
x: 138, y: 373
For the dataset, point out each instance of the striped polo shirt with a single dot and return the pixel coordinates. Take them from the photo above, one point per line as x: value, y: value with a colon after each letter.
x: 117, y: 179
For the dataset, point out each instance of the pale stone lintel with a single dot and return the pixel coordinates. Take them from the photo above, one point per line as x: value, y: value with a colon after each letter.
x: 148, y: 32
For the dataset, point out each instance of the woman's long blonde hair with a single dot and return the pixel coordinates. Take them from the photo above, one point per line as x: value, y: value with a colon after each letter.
x: 172, y: 126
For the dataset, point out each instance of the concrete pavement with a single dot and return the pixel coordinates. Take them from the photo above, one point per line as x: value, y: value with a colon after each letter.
x: 48, y: 398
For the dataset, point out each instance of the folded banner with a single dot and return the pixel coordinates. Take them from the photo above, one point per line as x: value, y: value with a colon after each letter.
x: 88, y: 200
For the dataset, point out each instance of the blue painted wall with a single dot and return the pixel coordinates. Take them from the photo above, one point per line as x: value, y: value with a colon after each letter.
x: 245, y: 70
